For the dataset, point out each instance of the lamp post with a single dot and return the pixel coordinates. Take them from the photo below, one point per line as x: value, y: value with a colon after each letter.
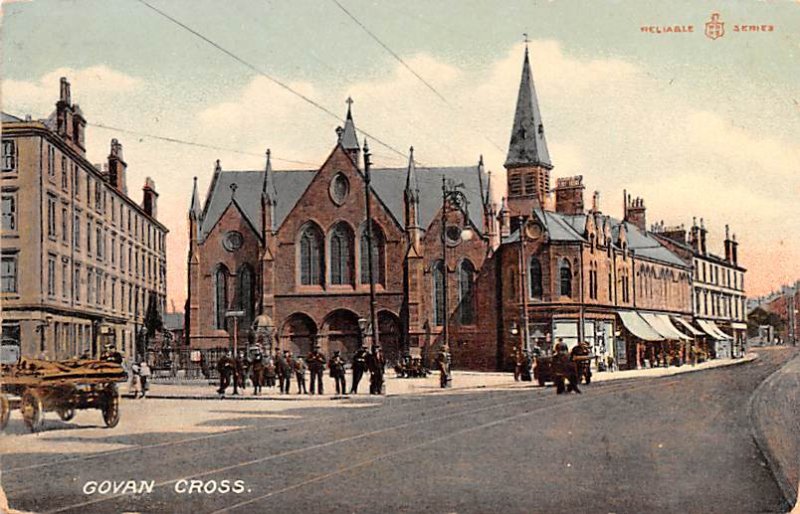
x: 525, y: 342
x: 453, y: 200
x: 367, y: 191
x: 235, y: 315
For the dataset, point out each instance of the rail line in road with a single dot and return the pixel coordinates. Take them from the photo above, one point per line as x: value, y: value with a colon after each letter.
x: 205, y: 437
x: 600, y: 391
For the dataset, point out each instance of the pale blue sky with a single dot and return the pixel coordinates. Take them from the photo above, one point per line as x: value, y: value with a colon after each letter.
x: 624, y: 108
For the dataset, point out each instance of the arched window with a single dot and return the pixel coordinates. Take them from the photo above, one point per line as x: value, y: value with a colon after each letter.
x: 565, y: 272
x: 466, y: 292
x: 437, y: 276
x: 341, y: 255
x: 220, y: 296
x: 245, y: 296
x: 535, y: 278
x: 311, y: 256
x: 378, y: 255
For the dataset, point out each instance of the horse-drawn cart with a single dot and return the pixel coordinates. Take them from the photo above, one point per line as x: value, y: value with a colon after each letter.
x: 64, y: 387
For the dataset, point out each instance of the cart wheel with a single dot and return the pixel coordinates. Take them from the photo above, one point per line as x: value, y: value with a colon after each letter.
x: 66, y: 413
x: 110, y: 406
x: 32, y: 410
x: 5, y: 411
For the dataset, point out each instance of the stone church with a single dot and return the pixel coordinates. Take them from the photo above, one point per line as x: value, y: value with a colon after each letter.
x: 292, y: 245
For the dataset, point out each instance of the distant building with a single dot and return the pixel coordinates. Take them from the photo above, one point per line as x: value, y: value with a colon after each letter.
x: 719, y: 300
x: 80, y: 258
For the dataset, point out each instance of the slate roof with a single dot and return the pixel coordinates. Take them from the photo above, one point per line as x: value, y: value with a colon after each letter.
x: 10, y: 118
x: 528, y: 145
x: 387, y: 183
x: 569, y: 228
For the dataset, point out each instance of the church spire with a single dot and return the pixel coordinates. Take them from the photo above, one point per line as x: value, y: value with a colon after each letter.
x: 269, y: 190
x: 528, y: 146
x: 195, y: 211
x: 347, y: 135
x: 412, y: 187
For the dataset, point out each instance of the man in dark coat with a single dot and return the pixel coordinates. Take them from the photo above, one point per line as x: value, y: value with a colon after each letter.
x: 443, y: 363
x: 580, y: 356
x: 225, y: 367
x: 359, y: 367
x: 564, y: 369
x: 316, y: 364
x: 336, y: 367
x: 376, y: 364
x: 285, y: 371
x: 257, y: 372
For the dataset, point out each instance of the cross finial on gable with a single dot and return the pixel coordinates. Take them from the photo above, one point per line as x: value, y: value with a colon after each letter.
x: 349, y: 102
x: 525, y: 38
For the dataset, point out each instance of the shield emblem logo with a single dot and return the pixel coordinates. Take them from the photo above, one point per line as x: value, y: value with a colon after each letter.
x: 715, y: 28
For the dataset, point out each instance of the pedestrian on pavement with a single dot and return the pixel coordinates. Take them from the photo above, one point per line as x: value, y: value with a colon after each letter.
x: 285, y: 371
x: 336, y: 367
x: 359, y: 367
x: 581, y: 354
x: 300, y: 372
x: 144, y: 373
x: 443, y: 363
x: 225, y: 367
x: 136, y: 381
x: 376, y: 364
x: 316, y: 364
x: 257, y: 372
x: 240, y: 372
x: 269, y: 371
x: 518, y: 364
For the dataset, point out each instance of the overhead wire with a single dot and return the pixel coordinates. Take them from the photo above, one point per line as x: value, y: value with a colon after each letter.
x: 259, y: 71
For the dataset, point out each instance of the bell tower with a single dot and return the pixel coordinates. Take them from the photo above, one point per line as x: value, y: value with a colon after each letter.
x: 528, y: 161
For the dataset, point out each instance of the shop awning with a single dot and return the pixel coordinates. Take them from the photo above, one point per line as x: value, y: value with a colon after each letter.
x: 710, y: 328
x: 664, y: 326
x: 739, y: 326
x: 687, y: 326
x: 637, y: 326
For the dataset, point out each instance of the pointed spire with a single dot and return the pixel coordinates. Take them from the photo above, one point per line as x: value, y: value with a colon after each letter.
x: 412, y: 186
x: 528, y: 145
x: 269, y: 190
x: 348, y: 137
x: 195, y: 211
x: 487, y: 201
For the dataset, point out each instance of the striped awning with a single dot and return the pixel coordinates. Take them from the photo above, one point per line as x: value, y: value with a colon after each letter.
x: 687, y: 326
x: 637, y: 326
x: 710, y: 328
x: 662, y: 325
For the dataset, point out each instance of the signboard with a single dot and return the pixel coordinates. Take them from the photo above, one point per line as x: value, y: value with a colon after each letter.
x: 621, y: 356
x: 195, y: 356
x: 234, y: 314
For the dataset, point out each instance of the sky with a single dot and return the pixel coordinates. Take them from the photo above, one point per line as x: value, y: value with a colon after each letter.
x: 697, y: 127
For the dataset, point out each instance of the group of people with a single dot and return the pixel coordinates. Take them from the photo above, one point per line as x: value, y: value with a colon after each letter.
x: 571, y: 366
x: 280, y: 367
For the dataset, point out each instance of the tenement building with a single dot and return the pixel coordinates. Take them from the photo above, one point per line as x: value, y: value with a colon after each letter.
x: 718, y: 295
x: 81, y: 260
x: 290, y: 249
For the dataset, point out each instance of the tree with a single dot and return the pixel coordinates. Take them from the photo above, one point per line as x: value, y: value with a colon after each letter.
x: 152, y: 318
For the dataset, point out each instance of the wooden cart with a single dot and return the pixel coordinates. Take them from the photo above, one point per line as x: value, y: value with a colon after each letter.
x: 62, y: 387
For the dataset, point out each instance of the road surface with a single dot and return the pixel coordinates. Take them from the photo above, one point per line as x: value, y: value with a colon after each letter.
x: 673, y: 444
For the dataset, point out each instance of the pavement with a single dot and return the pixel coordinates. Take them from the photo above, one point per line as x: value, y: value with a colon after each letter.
x: 774, y: 411
x: 671, y: 444
x: 462, y: 381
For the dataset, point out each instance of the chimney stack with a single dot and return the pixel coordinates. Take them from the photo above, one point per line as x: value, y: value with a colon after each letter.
x: 150, y: 201
x: 569, y: 195
x: 635, y: 213
x: 117, y: 168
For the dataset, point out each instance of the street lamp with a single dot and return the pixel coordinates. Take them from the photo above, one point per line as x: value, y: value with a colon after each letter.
x: 453, y: 200
x: 367, y: 193
x: 523, y: 304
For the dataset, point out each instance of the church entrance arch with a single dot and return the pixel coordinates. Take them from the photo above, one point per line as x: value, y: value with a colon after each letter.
x: 298, y: 334
x: 340, y: 331
x: 390, y: 336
